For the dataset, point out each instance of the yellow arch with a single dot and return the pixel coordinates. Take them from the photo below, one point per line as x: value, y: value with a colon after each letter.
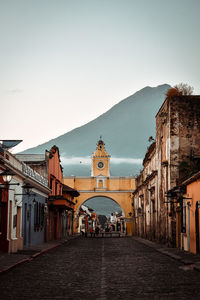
x: 122, y: 199
x: 96, y: 196
x: 118, y: 189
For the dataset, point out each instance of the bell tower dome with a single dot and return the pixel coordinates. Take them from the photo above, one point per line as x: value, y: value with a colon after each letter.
x: 100, y: 161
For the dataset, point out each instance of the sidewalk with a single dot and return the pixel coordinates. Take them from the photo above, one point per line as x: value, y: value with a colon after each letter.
x: 9, y: 261
x: 189, y: 260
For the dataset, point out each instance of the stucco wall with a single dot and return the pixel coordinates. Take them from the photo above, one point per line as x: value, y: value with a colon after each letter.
x: 118, y: 189
x: 90, y: 183
x: 32, y: 235
x: 193, y: 191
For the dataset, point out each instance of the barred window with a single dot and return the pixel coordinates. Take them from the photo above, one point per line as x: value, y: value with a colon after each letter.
x: 56, y: 187
x: 184, y: 220
x: 38, y: 216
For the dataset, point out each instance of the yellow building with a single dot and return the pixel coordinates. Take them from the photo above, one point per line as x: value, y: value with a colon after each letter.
x: 101, y: 184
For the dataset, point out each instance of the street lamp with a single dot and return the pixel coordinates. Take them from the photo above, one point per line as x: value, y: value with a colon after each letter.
x: 27, y: 188
x: 7, y: 177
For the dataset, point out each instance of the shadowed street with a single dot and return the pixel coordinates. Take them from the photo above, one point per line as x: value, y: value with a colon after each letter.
x: 111, y: 268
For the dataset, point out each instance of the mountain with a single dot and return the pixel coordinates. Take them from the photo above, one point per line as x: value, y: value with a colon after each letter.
x: 103, y: 206
x: 125, y: 129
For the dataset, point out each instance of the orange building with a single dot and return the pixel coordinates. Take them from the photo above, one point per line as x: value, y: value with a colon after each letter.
x: 61, y: 205
x: 68, y: 195
x: 191, y: 205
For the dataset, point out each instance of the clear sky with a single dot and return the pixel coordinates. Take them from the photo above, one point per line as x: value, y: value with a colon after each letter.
x: 65, y: 62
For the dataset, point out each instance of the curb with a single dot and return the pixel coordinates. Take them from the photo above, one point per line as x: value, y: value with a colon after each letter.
x: 32, y: 257
x: 44, y: 251
x: 172, y: 255
x: 196, y: 268
x: 164, y: 251
x: 15, y: 265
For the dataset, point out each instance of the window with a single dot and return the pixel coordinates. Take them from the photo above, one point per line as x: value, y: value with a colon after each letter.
x: 35, y: 214
x: 51, y: 183
x: 42, y: 216
x: 56, y: 187
x: 100, y: 184
x: 38, y: 216
x: 14, y: 221
x: 183, y: 229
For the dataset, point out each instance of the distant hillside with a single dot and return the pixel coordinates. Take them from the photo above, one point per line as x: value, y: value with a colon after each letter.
x: 103, y: 206
x: 125, y: 129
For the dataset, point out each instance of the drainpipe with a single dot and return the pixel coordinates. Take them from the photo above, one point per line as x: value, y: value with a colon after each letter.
x: 188, y: 225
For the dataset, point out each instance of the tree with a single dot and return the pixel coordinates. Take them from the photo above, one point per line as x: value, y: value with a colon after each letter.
x: 102, y: 220
x: 181, y: 89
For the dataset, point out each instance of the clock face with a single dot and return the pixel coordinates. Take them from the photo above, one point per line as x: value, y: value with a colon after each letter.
x: 100, y: 165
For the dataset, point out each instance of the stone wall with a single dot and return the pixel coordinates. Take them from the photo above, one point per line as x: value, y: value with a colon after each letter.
x: 176, y: 156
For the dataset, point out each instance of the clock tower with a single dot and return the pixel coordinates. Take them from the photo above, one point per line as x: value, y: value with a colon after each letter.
x: 100, y: 161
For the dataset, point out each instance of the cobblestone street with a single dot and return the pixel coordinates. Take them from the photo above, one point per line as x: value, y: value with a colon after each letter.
x: 101, y: 268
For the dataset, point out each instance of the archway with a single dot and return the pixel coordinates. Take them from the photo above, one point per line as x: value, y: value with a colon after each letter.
x: 102, y: 184
x: 110, y: 216
x: 102, y: 205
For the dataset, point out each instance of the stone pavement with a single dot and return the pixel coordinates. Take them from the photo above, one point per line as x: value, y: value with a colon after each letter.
x: 104, y: 268
x: 188, y: 259
x: 9, y: 261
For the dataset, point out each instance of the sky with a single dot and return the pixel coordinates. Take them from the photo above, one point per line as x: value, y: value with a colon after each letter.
x: 65, y: 62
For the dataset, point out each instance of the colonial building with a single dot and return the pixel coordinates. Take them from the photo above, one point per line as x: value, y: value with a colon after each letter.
x: 34, y: 207
x: 68, y: 196
x: 176, y: 149
x: 59, y: 212
x: 84, y: 219
x: 145, y: 197
x: 190, y: 233
x: 10, y: 213
x: 22, y: 190
x: 102, y: 184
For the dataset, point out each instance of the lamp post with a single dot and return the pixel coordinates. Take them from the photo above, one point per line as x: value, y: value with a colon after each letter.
x: 27, y: 188
x: 176, y: 196
x: 7, y: 176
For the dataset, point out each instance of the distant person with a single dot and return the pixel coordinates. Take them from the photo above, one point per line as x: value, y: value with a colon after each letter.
x: 107, y: 229
x: 91, y: 231
x: 97, y: 230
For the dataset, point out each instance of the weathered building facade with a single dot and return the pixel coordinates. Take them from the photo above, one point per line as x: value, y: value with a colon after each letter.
x: 19, y: 197
x: 176, y: 148
x: 34, y: 207
x: 60, y: 206
x: 145, y: 203
x: 10, y: 211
